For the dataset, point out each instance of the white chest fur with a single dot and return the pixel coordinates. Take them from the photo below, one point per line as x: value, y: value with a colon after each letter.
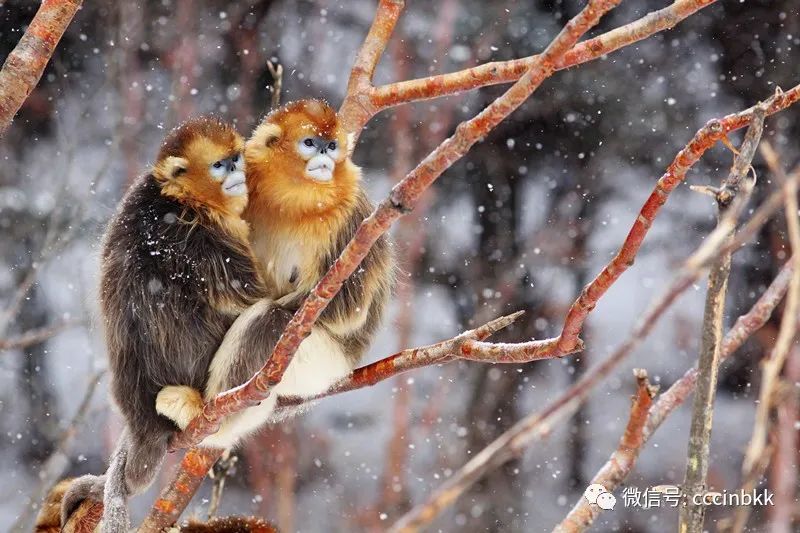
x: 290, y: 261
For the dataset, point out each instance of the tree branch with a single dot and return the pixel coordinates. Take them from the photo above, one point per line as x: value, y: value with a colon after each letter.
x: 692, y: 514
x: 24, y: 65
x: 410, y: 359
x: 176, y: 496
x: 357, y: 108
x: 584, y: 513
x: 375, y: 99
x: 772, y: 367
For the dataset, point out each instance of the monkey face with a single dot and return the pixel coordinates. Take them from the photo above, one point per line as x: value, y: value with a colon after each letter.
x: 319, y: 153
x: 298, y: 164
x: 230, y: 173
x: 202, y: 163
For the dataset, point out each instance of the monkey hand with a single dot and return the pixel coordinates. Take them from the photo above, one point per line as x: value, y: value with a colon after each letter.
x: 180, y: 404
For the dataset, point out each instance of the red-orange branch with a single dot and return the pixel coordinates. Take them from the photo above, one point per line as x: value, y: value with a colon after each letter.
x: 622, y: 459
x: 402, y: 199
x: 409, y: 359
x: 538, y: 424
x: 568, y: 340
x: 24, y: 65
x: 359, y: 107
x: 176, y: 496
x: 170, y: 504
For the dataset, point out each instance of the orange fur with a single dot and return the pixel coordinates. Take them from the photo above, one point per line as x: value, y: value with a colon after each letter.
x: 281, y: 196
x: 182, y: 167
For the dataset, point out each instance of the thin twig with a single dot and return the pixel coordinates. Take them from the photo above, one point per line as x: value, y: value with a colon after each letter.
x: 38, y: 335
x: 276, y: 71
x: 771, y: 369
x: 729, y: 200
x: 783, y: 473
x: 408, y: 359
x: 584, y: 513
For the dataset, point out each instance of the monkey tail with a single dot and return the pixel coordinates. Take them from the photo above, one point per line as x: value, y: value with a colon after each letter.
x: 116, y: 493
x: 132, y: 469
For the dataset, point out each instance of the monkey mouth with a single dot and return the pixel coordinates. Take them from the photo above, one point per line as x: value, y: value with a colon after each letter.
x: 320, y: 168
x: 320, y: 173
x: 235, y: 184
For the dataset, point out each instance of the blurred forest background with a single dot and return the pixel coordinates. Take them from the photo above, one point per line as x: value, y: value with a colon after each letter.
x: 522, y: 222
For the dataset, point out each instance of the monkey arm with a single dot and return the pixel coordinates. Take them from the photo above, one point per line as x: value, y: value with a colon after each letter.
x: 356, y: 311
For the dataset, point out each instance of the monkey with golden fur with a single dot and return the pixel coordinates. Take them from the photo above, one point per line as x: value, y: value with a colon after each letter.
x: 177, y: 269
x: 305, y: 204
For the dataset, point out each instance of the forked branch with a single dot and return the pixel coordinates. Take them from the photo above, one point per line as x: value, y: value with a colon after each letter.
x: 364, y: 101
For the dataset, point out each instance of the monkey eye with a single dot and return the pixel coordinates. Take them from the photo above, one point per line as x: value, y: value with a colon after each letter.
x: 308, y: 142
x: 332, y: 145
x: 235, y: 158
x: 218, y: 170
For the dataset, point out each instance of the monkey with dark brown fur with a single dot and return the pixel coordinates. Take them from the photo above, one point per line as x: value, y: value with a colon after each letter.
x: 177, y: 269
x: 305, y: 204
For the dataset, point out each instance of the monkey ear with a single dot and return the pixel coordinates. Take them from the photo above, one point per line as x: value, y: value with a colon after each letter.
x: 267, y: 134
x: 171, y: 167
x: 351, y: 143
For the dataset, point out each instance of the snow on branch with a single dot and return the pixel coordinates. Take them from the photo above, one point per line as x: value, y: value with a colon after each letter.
x: 26, y: 62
